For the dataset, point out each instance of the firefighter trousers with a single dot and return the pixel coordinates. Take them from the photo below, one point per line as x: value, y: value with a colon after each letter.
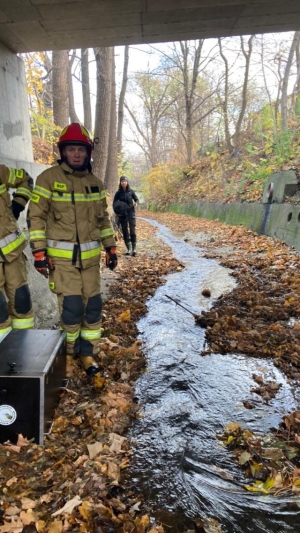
x: 80, y: 306
x: 15, y: 301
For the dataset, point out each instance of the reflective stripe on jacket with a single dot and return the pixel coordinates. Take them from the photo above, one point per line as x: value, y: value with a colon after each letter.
x: 68, y: 216
x: 12, y: 240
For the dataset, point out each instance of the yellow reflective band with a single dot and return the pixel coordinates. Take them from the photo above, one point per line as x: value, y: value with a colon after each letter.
x: 60, y: 186
x: 23, y: 192
x: 19, y: 173
x: 90, y: 335
x: 42, y: 191
x: 68, y: 254
x: 12, y: 176
x: 37, y: 235
x: 35, y: 198
x: 72, y: 336
x: 63, y: 197
x: 3, y: 189
x: 22, y: 323
x: 5, y: 330
x: 13, y: 245
x: 51, y: 285
x: 77, y: 197
x: 106, y: 233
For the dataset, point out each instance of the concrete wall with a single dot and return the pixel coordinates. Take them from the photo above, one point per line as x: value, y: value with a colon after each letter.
x: 275, y: 220
x: 15, y: 135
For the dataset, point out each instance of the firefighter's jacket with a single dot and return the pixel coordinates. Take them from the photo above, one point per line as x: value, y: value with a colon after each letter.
x: 68, y: 217
x: 12, y: 240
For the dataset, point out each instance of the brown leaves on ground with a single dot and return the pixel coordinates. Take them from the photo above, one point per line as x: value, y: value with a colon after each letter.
x: 272, y: 460
x: 75, y: 481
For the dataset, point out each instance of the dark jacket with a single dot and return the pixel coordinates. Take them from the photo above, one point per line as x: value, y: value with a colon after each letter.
x: 127, y: 198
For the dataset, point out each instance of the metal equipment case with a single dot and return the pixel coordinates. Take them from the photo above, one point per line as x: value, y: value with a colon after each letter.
x: 32, y: 373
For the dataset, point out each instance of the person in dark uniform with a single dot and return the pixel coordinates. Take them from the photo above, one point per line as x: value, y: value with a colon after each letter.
x: 124, y: 204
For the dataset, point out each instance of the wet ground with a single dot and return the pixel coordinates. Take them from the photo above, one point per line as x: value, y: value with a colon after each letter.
x: 187, y: 399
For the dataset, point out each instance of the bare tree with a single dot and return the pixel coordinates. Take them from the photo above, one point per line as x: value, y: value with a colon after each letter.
x: 104, y: 65
x: 150, y: 115
x: 72, y: 111
x: 284, y: 90
x: 111, y: 175
x: 60, y: 63
x: 122, y: 99
x: 86, y: 93
x: 247, y: 56
x: 225, y: 99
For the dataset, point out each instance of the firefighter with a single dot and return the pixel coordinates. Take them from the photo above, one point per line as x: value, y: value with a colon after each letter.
x: 68, y: 224
x: 15, y: 302
x: 124, y: 203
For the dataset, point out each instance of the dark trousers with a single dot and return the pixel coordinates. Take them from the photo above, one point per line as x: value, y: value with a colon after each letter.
x: 128, y: 224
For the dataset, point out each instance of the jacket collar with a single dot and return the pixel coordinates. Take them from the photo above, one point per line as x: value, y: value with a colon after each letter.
x: 78, y: 174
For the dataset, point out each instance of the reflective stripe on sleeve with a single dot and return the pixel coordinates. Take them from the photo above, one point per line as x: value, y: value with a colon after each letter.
x: 12, y: 176
x: 37, y: 235
x: 106, y: 233
x: 11, y: 242
x: 42, y: 191
x: 3, y: 189
x: 23, y: 192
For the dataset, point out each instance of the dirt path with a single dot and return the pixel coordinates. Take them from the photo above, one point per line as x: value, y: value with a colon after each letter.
x: 76, y: 481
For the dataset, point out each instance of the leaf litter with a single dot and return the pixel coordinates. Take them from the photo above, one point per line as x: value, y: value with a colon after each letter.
x: 75, y: 482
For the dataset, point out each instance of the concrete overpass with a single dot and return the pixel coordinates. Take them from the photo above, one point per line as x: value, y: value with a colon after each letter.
x: 30, y: 25
x: 36, y: 25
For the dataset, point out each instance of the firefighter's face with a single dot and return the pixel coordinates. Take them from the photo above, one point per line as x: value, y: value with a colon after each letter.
x: 75, y: 154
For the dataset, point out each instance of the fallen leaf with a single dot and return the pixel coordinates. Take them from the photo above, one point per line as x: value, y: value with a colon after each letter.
x: 69, y: 506
x: 94, y: 449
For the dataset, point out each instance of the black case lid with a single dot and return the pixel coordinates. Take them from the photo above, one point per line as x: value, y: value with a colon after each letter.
x: 29, y: 352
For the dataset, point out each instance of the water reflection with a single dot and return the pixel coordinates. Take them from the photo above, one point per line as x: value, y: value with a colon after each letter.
x: 187, y: 399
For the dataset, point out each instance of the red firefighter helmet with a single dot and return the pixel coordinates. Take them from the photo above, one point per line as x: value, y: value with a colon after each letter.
x: 75, y: 133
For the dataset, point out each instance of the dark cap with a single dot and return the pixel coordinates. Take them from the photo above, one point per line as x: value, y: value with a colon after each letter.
x: 123, y: 178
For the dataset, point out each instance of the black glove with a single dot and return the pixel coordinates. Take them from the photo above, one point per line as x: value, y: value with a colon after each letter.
x: 111, y: 259
x: 16, y: 209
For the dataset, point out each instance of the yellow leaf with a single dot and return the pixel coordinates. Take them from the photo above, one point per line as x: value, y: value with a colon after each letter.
x: 85, y: 510
x: 124, y: 317
x: 55, y: 527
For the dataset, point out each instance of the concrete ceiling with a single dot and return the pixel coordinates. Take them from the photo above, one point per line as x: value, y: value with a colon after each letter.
x: 33, y: 25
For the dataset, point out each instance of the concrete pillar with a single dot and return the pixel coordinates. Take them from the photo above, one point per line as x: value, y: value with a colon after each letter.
x: 15, y: 135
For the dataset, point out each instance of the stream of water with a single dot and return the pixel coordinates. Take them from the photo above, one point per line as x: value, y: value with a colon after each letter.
x: 187, y: 399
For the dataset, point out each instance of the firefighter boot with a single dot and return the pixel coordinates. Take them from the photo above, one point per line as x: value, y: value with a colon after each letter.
x: 134, y: 249
x: 89, y: 364
x: 128, y: 246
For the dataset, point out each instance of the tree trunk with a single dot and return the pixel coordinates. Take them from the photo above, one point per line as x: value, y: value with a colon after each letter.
x: 104, y: 63
x: 111, y: 176
x: 60, y: 62
x: 121, y: 99
x: 284, y: 109
x: 245, y: 92
x: 225, y: 100
x: 72, y: 110
x: 86, y: 94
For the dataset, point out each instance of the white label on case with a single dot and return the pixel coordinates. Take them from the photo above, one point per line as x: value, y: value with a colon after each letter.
x: 7, y: 415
